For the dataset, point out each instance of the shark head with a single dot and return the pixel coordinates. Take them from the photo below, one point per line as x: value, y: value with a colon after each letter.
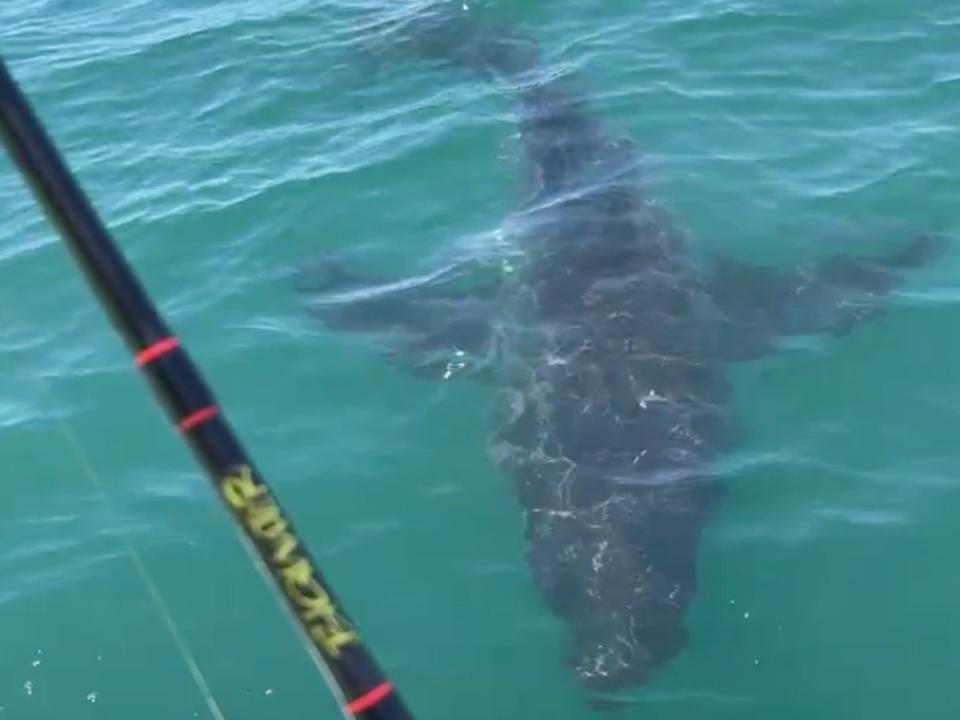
x: 621, y: 573
x: 614, y: 652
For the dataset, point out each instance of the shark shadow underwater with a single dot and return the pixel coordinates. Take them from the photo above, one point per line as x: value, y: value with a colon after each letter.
x: 608, y: 347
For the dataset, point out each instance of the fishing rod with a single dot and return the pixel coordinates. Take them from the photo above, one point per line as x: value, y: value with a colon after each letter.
x: 358, y: 682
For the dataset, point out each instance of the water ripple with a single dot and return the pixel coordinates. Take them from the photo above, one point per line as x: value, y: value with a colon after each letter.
x: 228, y: 143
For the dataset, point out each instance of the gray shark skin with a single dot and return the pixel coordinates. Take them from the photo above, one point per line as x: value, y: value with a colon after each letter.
x: 608, y: 350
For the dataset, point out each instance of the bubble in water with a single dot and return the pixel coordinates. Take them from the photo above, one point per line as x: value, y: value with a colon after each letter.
x: 91, y: 697
x: 28, y: 686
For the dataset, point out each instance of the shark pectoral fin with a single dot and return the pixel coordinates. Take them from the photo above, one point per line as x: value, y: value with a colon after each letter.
x: 834, y: 295
x: 437, y: 325
x: 460, y: 346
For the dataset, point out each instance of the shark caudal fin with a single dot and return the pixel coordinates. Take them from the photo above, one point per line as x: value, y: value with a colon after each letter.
x: 453, y: 33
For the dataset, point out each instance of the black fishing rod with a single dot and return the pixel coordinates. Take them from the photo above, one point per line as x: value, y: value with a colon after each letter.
x: 361, y: 686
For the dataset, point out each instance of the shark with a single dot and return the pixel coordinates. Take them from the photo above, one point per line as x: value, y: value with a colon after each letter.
x: 607, y: 346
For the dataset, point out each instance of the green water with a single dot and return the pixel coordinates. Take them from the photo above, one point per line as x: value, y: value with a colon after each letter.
x: 229, y: 143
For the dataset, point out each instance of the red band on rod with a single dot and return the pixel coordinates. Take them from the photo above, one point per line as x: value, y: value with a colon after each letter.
x: 161, y: 347
x: 197, y: 418
x: 368, y: 700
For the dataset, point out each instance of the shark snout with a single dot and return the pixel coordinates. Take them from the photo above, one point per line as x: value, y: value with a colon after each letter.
x: 624, y: 655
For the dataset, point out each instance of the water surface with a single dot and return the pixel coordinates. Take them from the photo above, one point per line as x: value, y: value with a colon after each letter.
x: 229, y: 143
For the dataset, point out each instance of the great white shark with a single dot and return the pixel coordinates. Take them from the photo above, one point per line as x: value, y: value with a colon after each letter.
x: 608, y: 346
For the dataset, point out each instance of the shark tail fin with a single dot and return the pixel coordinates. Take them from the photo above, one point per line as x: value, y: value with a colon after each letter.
x: 454, y: 33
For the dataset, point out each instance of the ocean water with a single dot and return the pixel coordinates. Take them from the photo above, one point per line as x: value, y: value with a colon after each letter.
x: 229, y: 144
